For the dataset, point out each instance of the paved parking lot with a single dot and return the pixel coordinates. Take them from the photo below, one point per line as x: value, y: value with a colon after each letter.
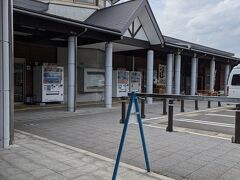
x: 177, y: 155
x: 34, y: 158
x: 216, y: 119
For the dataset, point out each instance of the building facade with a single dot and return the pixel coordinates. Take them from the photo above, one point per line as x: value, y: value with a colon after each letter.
x: 94, y: 39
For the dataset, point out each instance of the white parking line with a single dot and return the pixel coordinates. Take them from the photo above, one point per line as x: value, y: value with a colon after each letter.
x: 154, y: 118
x: 191, y: 113
x: 231, y: 110
x: 220, y: 115
x: 189, y: 131
x: 205, y: 122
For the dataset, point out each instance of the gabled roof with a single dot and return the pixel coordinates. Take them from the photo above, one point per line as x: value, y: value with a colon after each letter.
x: 169, y: 41
x: 36, y: 9
x: 31, y: 4
x: 119, y: 17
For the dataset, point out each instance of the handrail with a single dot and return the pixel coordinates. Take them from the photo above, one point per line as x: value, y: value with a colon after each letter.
x: 196, y: 98
x: 192, y: 97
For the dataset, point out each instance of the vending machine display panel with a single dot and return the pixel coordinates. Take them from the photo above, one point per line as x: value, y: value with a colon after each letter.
x: 48, y: 84
x: 120, y: 83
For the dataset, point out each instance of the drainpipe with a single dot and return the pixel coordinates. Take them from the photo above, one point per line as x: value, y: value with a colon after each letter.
x: 10, y: 16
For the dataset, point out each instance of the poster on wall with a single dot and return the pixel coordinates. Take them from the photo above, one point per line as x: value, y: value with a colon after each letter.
x: 95, y: 80
x: 155, y: 77
x: 123, y: 77
x: 162, y: 76
x: 92, y: 78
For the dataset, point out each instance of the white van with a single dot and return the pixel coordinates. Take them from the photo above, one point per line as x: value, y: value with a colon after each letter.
x: 233, y: 88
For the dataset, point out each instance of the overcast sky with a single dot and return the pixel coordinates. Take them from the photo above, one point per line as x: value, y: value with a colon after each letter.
x: 214, y: 23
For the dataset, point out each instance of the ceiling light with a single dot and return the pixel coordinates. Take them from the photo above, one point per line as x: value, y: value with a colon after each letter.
x: 22, y: 33
x: 58, y: 39
x: 28, y: 27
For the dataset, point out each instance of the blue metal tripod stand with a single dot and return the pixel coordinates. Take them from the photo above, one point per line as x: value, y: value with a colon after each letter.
x: 133, y: 99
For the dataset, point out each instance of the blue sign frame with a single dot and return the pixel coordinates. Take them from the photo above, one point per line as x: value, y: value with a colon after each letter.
x: 133, y: 99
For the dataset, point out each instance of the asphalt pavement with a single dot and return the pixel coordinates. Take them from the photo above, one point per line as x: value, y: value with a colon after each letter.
x: 215, y: 119
x: 179, y: 155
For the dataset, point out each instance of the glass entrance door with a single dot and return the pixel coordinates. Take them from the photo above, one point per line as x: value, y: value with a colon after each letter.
x: 18, y: 82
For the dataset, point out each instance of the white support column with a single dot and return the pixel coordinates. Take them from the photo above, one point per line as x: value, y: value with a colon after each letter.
x: 169, y: 73
x: 5, y: 8
x: 177, y: 74
x: 227, y: 71
x: 72, y: 56
x: 108, y: 74
x: 194, y: 75
x: 150, y: 63
x: 212, y: 74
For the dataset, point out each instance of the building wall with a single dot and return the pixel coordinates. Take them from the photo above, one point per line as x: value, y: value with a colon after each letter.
x: 121, y: 61
x: 87, y: 58
x: 72, y: 12
x: 33, y: 55
x: 92, y: 58
x: 73, y: 9
x: 81, y: 3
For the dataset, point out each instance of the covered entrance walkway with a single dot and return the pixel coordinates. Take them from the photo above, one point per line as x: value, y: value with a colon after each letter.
x: 33, y: 27
x: 93, y: 48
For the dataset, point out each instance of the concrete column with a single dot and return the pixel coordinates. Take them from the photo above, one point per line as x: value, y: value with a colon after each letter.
x: 177, y: 74
x: 108, y: 75
x: 5, y: 33
x: 227, y: 71
x: 212, y: 74
x: 169, y: 73
x: 194, y: 75
x: 72, y: 58
x: 150, y: 62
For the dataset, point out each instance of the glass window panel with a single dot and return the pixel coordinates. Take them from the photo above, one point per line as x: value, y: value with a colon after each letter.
x: 236, y: 80
x: 101, y: 3
x: 86, y: 1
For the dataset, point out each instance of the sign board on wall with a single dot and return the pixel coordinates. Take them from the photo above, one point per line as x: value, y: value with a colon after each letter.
x: 91, y: 80
x: 162, y: 76
x: 155, y: 77
x: 94, y: 80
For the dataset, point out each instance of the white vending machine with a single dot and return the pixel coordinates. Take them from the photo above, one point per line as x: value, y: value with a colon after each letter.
x: 135, y: 81
x: 120, y: 83
x: 48, y: 83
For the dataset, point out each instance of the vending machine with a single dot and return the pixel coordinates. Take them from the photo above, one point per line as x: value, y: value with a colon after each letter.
x: 120, y: 83
x: 48, y: 83
x: 135, y: 81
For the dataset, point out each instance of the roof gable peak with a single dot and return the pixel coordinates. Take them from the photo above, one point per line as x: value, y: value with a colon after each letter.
x: 121, y: 16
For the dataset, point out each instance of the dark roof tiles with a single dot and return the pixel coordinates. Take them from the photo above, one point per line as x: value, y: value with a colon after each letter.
x: 116, y: 17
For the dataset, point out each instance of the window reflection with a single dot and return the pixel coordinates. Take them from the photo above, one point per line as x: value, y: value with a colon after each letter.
x: 92, y: 2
